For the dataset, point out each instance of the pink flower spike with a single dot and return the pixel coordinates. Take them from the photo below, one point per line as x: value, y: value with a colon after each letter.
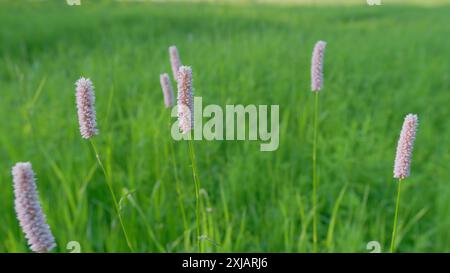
x: 28, y: 209
x: 185, y: 99
x: 405, y: 147
x: 85, y: 99
x: 167, y: 90
x: 317, y: 66
x: 175, y: 61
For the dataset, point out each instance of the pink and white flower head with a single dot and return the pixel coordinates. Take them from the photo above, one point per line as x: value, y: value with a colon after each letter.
x: 405, y: 147
x: 317, y: 66
x: 28, y: 209
x: 85, y: 99
x: 185, y: 99
x: 175, y: 61
x: 167, y: 89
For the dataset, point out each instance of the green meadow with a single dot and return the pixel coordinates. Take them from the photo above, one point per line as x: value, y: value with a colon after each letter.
x: 381, y: 63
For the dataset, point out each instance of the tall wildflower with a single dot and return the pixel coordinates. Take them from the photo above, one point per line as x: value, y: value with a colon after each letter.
x: 28, y: 209
x: 85, y: 99
x: 316, y: 86
x: 175, y: 61
x: 185, y: 99
x: 186, y: 124
x: 317, y: 66
x: 403, y: 162
x: 167, y: 89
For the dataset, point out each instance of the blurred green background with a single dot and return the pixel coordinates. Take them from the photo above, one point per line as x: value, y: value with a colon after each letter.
x: 381, y: 63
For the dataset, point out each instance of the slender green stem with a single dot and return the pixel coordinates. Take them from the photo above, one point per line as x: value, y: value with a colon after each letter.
x: 197, y: 193
x: 397, y: 205
x: 314, y: 158
x: 113, y: 196
x: 178, y: 188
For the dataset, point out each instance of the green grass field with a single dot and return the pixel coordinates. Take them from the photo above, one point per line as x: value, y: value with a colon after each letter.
x: 381, y: 63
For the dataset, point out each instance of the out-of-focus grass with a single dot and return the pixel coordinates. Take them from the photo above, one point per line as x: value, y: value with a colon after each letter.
x: 381, y: 63
x: 310, y: 2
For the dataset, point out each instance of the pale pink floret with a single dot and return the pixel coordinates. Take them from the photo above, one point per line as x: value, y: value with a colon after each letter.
x: 405, y: 147
x: 317, y: 66
x: 175, y: 61
x: 167, y: 89
x: 86, y: 108
x: 28, y: 209
x: 185, y: 99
